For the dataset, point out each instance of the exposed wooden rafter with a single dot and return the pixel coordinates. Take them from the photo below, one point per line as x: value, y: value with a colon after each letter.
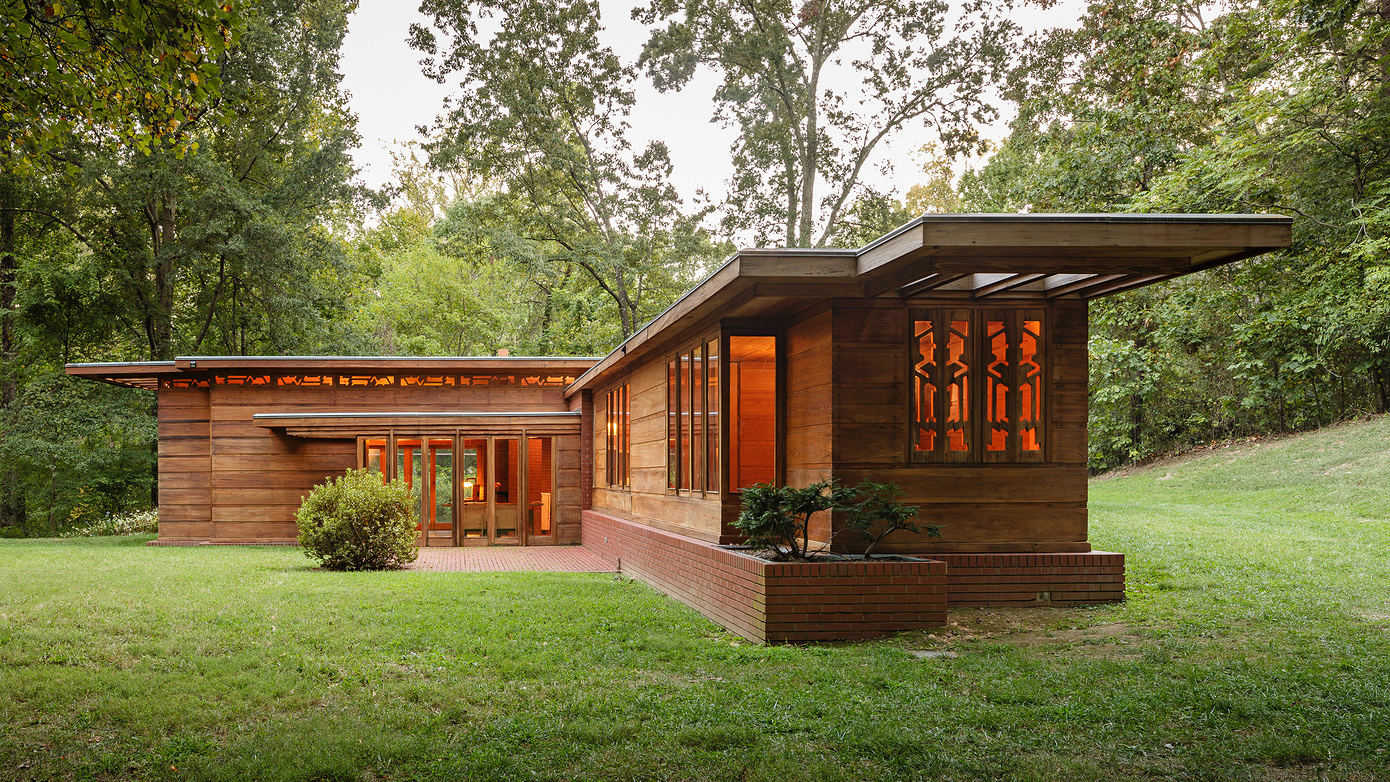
x: 930, y: 283
x: 1009, y: 283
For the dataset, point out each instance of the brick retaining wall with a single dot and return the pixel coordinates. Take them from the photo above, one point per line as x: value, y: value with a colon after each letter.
x: 775, y: 602
x: 1034, y: 579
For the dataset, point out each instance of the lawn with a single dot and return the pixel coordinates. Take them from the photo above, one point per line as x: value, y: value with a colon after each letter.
x: 1255, y: 644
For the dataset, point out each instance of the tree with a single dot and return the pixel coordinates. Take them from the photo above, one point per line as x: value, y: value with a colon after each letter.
x: 140, y: 72
x: 815, y: 89
x: 541, y: 118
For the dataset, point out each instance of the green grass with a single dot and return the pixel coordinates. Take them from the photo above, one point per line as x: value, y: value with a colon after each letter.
x: 1255, y: 645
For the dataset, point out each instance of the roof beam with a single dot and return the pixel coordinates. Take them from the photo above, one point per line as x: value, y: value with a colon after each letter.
x: 930, y: 283
x: 1001, y: 286
x: 1085, y: 281
x: 1124, y: 285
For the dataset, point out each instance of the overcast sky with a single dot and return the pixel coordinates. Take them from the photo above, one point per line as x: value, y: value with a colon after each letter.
x: 391, y: 97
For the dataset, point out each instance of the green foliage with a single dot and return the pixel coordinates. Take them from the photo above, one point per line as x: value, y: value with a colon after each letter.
x: 873, y: 511
x: 541, y: 120
x: 133, y: 522
x: 142, y: 71
x: 1173, y: 106
x: 78, y: 451
x: 356, y: 522
x: 778, y: 517
x: 814, y: 88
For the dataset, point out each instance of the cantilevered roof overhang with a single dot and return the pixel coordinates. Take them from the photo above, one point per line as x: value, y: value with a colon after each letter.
x: 964, y: 256
x: 147, y: 374
x: 336, y: 424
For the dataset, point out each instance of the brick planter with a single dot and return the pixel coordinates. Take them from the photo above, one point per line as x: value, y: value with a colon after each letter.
x: 775, y: 602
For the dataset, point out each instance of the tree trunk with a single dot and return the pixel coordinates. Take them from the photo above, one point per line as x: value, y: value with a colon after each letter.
x: 12, y: 511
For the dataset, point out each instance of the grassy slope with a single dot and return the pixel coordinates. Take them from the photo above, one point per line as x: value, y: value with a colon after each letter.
x: 1255, y: 645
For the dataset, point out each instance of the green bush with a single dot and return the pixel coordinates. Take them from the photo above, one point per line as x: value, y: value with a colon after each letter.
x: 356, y: 522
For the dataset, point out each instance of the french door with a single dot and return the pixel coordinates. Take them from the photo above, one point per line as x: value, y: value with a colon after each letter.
x: 483, y: 490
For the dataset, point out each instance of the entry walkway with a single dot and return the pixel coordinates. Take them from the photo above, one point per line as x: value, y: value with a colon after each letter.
x: 498, y: 559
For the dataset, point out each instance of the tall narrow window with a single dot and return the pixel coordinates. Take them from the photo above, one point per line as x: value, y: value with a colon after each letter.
x: 1030, y: 386
x: 998, y: 377
x: 942, y: 369
x: 673, y: 421
x: 712, y: 415
x: 686, y: 420
x: 752, y: 410
x: 618, y: 442
x: 696, y: 454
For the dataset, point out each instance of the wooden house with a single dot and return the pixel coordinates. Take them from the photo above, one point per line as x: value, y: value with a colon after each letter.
x: 949, y: 357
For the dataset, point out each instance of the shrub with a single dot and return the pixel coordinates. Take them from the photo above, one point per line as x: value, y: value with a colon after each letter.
x: 135, y: 522
x: 874, y: 513
x: 777, y: 517
x: 356, y: 522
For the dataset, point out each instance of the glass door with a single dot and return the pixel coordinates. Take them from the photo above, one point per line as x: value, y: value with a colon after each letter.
x: 440, y: 501
x: 506, y: 491
x: 427, y: 467
x: 473, y: 491
x: 540, y: 490
x: 408, y: 469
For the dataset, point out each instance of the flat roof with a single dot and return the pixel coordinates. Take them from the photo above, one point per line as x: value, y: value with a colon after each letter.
x: 1036, y: 257
x: 146, y: 374
x: 970, y: 256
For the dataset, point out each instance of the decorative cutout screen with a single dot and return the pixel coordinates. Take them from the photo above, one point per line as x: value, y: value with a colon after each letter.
x: 1007, y: 346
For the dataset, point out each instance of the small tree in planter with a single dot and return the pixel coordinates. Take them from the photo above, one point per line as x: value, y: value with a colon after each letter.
x: 778, y: 517
x: 356, y: 522
x: 875, y: 513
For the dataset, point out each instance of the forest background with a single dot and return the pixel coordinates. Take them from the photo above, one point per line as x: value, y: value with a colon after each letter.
x: 177, y: 180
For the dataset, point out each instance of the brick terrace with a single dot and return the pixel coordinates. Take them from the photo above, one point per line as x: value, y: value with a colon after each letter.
x: 497, y: 559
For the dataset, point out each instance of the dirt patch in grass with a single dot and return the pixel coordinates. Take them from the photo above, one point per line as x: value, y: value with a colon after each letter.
x: 1039, y: 627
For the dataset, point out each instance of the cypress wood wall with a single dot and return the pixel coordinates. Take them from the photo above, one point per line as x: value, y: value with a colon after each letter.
x: 225, y: 479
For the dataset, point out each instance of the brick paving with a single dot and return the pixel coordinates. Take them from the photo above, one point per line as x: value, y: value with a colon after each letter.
x: 501, y: 559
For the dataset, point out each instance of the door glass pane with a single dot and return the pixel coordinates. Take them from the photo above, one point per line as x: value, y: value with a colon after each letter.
x: 408, y: 469
x: 473, y: 488
x: 504, y: 487
x: 376, y: 450
x: 442, y: 485
x: 540, y: 493
x: 753, y: 410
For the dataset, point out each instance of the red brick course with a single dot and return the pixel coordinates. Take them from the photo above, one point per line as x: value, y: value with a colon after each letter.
x: 1034, y: 579
x: 775, y: 602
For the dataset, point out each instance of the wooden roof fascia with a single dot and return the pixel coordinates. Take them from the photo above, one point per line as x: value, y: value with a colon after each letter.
x: 384, y: 363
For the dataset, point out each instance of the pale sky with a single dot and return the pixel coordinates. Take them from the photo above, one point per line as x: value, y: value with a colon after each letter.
x: 391, y: 97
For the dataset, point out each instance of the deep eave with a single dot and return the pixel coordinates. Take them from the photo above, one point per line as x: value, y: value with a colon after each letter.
x: 965, y: 256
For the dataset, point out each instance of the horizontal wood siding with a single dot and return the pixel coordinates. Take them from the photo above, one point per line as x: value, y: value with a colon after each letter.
x: 648, y: 502
x: 808, y: 403
x: 185, y: 465
x: 981, y: 507
x: 226, y: 479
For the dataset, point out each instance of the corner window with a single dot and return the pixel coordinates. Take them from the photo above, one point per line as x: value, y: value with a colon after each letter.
x: 752, y: 410
x: 618, y: 437
x: 977, y: 385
